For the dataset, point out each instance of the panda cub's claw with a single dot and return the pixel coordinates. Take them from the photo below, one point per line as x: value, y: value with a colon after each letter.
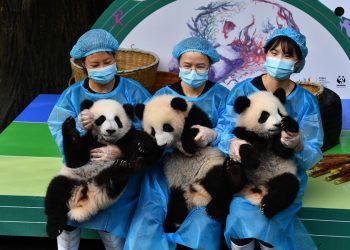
x: 235, y: 174
x: 144, y: 144
x: 288, y: 124
x: 229, y: 162
x: 268, y: 208
x: 123, y: 164
x: 140, y: 148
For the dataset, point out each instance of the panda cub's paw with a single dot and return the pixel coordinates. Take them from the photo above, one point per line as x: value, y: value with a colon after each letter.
x: 69, y: 130
x: 235, y: 174
x: 69, y: 123
x: 54, y: 229
x: 139, y: 164
x: 143, y: 147
x: 269, y: 207
x: 288, y: 124
x: 145, y: 144
x: 249, y: 156
x: 216, y: 211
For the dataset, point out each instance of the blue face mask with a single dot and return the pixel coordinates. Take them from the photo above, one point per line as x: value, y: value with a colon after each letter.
x: 103, y: 75
x: 192, y: 78
x: 280, y: 69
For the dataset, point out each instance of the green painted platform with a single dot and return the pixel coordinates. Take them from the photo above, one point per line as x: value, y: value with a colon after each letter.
x: 29, y: 158
x: 28, y: 139
x: 326, y: 207
x: 27, y: 176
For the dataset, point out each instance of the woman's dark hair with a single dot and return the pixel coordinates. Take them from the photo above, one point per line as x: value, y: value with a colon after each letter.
x: 84, y: 58
x: 287, y: 44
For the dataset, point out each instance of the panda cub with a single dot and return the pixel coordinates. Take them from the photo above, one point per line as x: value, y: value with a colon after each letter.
x: 270, y: 170
x: 196, y: 176
x: 84, y: 187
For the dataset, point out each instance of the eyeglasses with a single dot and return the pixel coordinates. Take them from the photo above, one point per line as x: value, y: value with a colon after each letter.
x: 188, y: 70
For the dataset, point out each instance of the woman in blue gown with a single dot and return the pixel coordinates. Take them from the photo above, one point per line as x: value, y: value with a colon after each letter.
x: 96, y: 49
x: 246, y: 226
x: 198, y: 231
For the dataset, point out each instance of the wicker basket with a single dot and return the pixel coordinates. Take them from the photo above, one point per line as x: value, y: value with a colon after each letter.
x: 314, y: 88
x: 164, y: 79
x: 132, y: 63
x: 168, y: 78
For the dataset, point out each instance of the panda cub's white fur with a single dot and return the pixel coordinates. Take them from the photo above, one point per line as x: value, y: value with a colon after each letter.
x: 83, y: 206
x: 84, y: 187
x: 109, y: 109
x: 87, y: 171
x: 195, y: 176
x: 157, y: 112
x: 271, y: 166
x: 83, y: 203
x: 185, y: 172
x: 271, y: 172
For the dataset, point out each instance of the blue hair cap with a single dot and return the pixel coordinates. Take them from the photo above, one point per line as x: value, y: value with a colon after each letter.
x: 95, y: 40
x: 297, y: 37
x: 197, y: 45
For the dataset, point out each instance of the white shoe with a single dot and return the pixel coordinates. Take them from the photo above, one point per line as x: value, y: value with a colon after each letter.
x: 111, y: 242
x: 263, y: 247
x: 69, y: 240
x: 249, y: 246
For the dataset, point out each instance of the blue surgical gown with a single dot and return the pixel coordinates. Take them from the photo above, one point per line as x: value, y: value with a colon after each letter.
x: 284, y: 230
x: 198, y: 230
x: 116, y: 218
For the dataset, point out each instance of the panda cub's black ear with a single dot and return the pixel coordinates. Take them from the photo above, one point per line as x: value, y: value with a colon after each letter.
x: 280, y: 94
x: 241, y: 103
x: 129, y: 110
x: 86, y: 104
x: 139, y: 108
x: 178, y: 103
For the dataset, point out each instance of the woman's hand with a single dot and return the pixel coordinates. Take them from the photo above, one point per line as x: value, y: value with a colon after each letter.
x: 110, y: 152
x: 292, y: 140
x: 86, y: 119
x: 234, y: 148
x: 204, y: 136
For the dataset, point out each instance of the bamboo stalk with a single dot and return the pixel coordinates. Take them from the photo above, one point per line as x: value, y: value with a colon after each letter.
x: 333, y: 176
x: 320, y: 172
x: 343, y: 179
x: 336, y: 155
x: 337, y: 165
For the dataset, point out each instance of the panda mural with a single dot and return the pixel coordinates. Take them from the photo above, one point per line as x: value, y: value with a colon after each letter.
x: 84, y: 187
x: 196, y: 176
x: 272, y: 183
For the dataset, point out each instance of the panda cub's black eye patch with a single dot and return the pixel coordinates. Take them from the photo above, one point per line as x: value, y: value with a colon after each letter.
x: 167, y: 128
x: 117, y: 120
x: 263, y: 116
x: 100, y: 120
x: 153, y: 132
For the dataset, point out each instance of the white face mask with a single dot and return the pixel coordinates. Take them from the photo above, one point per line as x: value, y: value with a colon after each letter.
x: 103, y: 75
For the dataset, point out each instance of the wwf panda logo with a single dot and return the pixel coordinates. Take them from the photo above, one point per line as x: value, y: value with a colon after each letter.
x: 341, y: 80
